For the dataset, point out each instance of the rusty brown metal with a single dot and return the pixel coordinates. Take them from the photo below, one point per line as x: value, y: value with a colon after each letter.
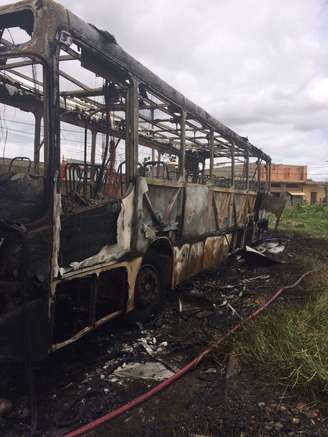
x: 96, y: 232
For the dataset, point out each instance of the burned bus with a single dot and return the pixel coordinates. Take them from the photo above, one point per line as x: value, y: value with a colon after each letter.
x: 111, y: 182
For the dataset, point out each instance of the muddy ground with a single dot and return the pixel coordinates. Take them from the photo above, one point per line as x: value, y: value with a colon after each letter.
x: 219, y: 398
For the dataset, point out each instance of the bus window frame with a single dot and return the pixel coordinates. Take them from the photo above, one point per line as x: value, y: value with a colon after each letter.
x: 46, y: 116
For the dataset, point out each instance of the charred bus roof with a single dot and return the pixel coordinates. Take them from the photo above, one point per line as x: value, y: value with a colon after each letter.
x: 46, y: 21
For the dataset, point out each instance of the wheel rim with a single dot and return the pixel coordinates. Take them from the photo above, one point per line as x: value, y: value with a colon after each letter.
x: 147, y: 287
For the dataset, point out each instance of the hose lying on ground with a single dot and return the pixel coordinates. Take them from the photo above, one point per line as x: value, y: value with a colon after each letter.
x: 142, y: 398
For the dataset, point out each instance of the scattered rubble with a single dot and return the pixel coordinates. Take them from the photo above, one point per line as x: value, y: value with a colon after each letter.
x: 256, y: 257
x: 5, y: 407
x: 193, y: 303
x: 150, y: 370
x: 273, y: 247
x: 117, y: 363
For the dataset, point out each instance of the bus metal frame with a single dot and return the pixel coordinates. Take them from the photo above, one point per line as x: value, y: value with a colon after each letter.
x: 188, y: 223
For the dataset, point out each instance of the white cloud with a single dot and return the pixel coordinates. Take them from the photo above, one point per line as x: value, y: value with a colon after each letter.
x: 318, y: 91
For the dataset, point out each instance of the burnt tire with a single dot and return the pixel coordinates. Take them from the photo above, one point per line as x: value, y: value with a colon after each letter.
x: 148, y: 295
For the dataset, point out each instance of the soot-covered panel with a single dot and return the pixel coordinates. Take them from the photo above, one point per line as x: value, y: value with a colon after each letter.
x: 85, y: 233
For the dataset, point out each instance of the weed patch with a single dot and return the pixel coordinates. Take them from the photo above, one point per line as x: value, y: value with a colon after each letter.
x: 290, y: 346
x: 310, y: 219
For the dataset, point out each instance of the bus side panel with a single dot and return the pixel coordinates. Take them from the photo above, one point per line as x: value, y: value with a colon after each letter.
x: 241, y: 209
x: 195, y: 220
x: 215, y: 251
x: 222, y: 209
x: 190, y: 259
x: 196, y: 255
x: 251, y: 207
x: 180, y: 264
x: 207, y: 211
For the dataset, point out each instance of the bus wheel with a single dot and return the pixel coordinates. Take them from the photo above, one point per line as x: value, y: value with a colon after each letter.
x: 148, y: 294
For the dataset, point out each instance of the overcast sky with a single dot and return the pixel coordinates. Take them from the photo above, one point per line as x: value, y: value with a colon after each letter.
x: 259, y: 66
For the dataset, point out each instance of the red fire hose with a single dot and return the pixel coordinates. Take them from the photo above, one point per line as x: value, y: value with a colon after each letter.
x: 144, y: 397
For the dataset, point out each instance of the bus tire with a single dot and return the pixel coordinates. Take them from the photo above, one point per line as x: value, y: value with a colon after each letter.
x: 148, y: 295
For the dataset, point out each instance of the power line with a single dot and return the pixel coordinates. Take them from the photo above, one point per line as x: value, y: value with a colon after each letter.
x: 20, y: 132
x: 25, y: 123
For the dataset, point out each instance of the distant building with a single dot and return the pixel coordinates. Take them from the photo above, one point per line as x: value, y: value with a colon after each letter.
x: 291, y: 181
x: 316, y: 192
x: 287, y: 181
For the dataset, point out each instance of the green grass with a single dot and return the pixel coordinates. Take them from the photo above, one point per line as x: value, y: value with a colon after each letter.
x: 308, y: 219
x: 289, y: 347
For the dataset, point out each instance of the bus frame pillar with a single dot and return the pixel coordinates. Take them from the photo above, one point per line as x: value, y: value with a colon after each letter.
x: 211, y: 145
x: 132, y: 138
x: 182, y: 158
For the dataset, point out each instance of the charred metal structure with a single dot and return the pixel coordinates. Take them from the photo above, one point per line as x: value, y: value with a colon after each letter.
x: 85, y: 240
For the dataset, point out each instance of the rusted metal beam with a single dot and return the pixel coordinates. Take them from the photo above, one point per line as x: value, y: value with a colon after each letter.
x: 159, y: 125
x: 247, y: 170
x: 31, y: 62
x: 37, y: 140
x: 182, y: 159
x: 75, y: 81
x: 25, y: 77
x: 211, y: 146
x: 259, y: 173
x: 131, y: 149
x: 83, y: 93
x: 93, y: 146
x: 232, y: 165
x: 160, y: 147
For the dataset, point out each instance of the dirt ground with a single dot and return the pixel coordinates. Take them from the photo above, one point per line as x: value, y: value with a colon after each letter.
x: 219, y: 398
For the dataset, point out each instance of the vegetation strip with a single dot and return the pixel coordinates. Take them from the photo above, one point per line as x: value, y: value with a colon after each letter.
x: 290, y: 346
x: 308, y: 219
